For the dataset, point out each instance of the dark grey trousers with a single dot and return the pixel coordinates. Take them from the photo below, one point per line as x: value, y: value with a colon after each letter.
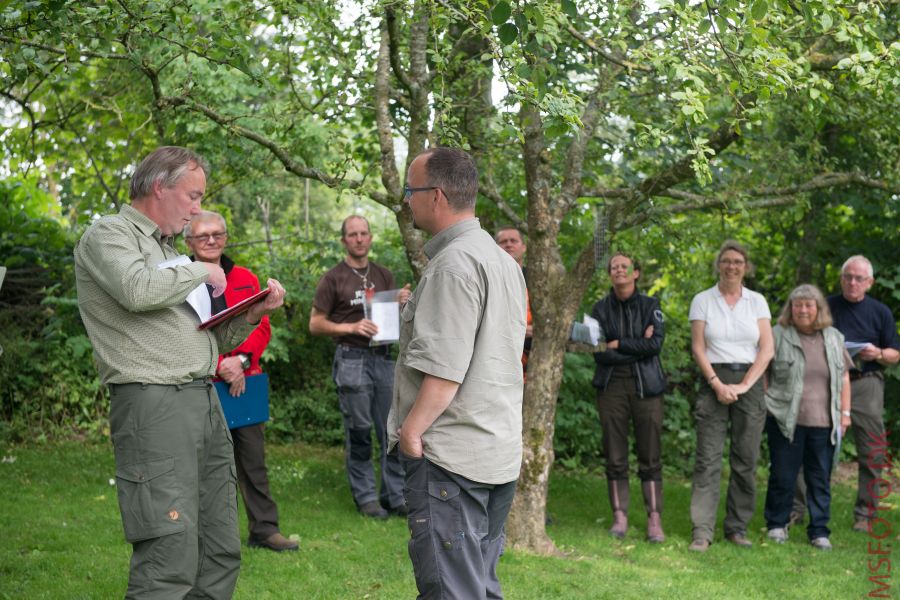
x: 620, y: 406
x: 365, y: 382
x: 456, y: 531
x: 746, y: 418
x: 253, y: 479
x: 175, y: 476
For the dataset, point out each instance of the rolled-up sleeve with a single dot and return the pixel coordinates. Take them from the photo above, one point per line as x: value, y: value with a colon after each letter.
x: 448, y: 309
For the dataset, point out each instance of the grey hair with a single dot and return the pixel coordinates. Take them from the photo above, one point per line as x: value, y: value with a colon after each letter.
x: 807, y: 291
x: 860, y: 259
x: 454, y: 171
x: 165, y: 165
x: 202, y: 217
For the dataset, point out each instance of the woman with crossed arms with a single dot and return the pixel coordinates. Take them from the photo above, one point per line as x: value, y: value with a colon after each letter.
x: 731, y: 341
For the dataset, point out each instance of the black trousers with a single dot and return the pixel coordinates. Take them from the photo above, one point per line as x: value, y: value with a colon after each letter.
x: 253, y: 479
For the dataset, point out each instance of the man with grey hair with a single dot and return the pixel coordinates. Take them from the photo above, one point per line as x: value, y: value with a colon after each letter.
x: 174, y: 464
x: 870, y: 330
x: 456, y: 415
x: 206, y: 235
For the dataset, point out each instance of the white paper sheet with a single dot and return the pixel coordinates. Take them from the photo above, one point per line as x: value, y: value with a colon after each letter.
x: 387, y: 316
x: 199, y: 297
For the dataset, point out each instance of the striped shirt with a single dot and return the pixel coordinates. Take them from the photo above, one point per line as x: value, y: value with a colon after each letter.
x: 135, y: 313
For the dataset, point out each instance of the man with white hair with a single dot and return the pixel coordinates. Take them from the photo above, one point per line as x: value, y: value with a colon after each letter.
x: 206, y: 235
x: 867, y: 324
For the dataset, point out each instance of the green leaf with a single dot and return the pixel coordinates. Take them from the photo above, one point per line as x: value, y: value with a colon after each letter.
x: 508, y: 33
x: 501, y: 13
x: 826, y: 21
x: 568, y: 7
x: 705, y: 24
x: 759, y: 10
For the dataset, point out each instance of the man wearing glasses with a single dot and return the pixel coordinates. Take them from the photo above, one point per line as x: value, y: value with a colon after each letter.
x: 456, y: 416
x: 206, y: 236
x: 363, y: 373
x: 871, y: 335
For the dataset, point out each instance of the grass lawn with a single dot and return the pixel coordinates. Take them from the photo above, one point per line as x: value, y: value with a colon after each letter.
x: 60, y: 537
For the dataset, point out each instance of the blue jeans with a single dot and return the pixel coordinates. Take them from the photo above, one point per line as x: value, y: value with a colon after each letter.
x: 811, y: 448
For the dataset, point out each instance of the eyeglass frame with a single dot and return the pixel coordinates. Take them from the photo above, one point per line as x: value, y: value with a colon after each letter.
x: 408, y: 191
x: 855, y: 278
x: 203, y: 238
x: 732, y: 263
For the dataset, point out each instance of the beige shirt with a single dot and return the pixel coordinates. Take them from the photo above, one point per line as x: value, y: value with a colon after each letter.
x: 465, y: 322
x: 135, y: 314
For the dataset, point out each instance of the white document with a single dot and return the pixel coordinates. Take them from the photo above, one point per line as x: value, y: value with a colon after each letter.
x: 853, y: 348
x: 199, y: 297
x: 593, y: 326
x: 387, y: 316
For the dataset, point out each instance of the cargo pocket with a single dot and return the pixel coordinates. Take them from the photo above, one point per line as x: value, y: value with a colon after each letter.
x: 149, y: 499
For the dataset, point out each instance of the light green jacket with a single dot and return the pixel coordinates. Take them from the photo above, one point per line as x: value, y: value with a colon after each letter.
x: 786, y: 378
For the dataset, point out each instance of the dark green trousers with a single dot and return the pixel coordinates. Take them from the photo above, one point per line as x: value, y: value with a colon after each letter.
x: 743, y: 423
x: 176, y: 479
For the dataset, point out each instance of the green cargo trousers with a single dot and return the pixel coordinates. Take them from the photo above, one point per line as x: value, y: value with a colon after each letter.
x: 746, y: 417
x: 177, y: 490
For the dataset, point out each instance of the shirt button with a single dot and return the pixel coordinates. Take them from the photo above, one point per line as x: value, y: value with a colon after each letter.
x: 448, y: 546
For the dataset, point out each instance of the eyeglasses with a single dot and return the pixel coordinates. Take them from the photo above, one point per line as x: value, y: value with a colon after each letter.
x: 408, y: 191
x: 854, y: 278
x: 729, y: 263
x: 205, y: 237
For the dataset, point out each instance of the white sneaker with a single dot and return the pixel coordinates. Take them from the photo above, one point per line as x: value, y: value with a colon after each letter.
x: 778, y: 535
x: 821, y: 543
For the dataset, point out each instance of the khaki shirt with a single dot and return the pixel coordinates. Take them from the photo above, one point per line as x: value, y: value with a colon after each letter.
x: 141, y: 328
x: 466, y: 323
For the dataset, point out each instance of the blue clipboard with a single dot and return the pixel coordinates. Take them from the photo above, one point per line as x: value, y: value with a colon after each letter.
x: 249, y: 408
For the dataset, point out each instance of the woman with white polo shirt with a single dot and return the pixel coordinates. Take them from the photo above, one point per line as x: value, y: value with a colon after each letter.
x: 732, y: 344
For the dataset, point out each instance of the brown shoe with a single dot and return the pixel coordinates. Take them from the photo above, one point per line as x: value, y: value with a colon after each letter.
x: 275, y: 542
x: 655, y: 533
x: 620, y: 525
x: 699, y: 545
x: 739, y: 539
x: 861, y: 524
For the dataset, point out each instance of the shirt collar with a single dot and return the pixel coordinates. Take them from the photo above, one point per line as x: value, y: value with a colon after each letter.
x: 444, y: 237
x: 719, y: 294
x: 145, y: 224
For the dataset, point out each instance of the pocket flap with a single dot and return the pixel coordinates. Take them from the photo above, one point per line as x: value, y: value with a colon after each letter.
x: 145, y: 471
x: 443, y: 490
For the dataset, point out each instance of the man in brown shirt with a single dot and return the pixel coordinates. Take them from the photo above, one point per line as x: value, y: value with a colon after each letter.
x: 363, y: 374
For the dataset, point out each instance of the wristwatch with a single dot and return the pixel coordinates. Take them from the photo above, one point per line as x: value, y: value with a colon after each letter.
x: 845, y: 413
x: 245, y: 361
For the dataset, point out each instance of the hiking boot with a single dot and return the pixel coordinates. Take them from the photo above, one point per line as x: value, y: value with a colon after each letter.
x: 374, y: 510
x: 861, y: 524
x: 739, y: 539
x: 275, y: 542
x: 655, y: 533
x: 620, y: 525
x: 821, y: 543
x: 779, y: 535
x: 699, y: 545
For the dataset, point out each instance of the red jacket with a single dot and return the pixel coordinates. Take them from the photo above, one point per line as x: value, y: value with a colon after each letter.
x: 242, y: 283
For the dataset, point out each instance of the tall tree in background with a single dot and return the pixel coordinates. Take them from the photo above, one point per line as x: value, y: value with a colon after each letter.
x: 613, y: 115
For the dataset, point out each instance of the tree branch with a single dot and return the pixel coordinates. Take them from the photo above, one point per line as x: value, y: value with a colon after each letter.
x: 489, y: 190
x: 280, y: 153
x: 393, y: 35
x: 622, y: 62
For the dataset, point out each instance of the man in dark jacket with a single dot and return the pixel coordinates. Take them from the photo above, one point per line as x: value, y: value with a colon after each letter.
x: 630, y: 384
